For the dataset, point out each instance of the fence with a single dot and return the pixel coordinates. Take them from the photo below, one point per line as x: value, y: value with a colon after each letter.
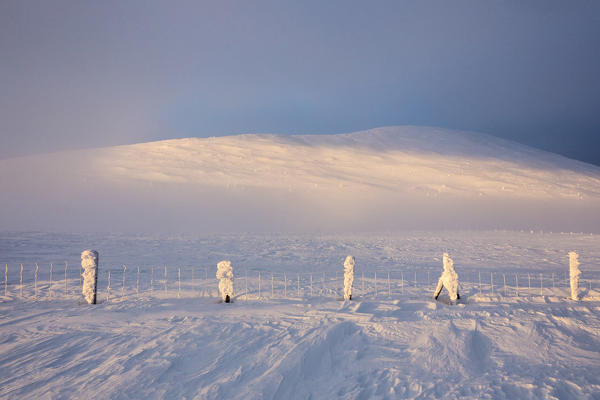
x: 34, y: 282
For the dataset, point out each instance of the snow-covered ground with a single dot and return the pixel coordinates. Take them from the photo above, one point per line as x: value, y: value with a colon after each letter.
x: 173, y: 339
x: 393, y: 178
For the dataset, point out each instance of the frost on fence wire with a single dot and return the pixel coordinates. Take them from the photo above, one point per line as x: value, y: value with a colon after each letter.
x: 225, y: 277
x: 574, y: 273
x: 89, y: 263
x: 348, y: 277
x: 448, y: 280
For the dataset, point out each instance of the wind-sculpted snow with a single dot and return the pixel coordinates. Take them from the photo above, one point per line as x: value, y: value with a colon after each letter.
x: 382, y: 179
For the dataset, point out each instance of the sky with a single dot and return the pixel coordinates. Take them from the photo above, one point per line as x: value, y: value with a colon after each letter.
x: 79, y: 74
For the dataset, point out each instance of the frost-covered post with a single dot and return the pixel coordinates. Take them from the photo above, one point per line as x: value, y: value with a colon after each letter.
x: 529, y: 282
x: 259, y: 284
x: 272, y: 285
x: 5, y: 279
x: 389, y: 286
x: 574, y: 273
x: 362, y: 283
x: 504, y: 277
x: 137, y: 282
x: 246, y: 283
x: 179, y: 282
x: 348, y: 277
x: 21, y: 282
x: 51, y: 267
x: 402, y: 280
x: 108, y: 289
x: 165, y: 280
x: 89, y: 263
x: 311, y: 286
x: 66, y: 278
x: 123, y: 285
x: 541, y: 285
x: 448, y: 279
x: 152, y: 282
x: 517, y: 283
x: 492, y: 282
x: 284, y: 285
x: 298, y: 285
x: 479, y: 282
x: 375, y: 283
x: 225, y: 277
x: 35, y: 280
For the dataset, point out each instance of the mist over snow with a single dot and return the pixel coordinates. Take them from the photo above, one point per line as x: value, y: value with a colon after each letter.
x: 391, y: 178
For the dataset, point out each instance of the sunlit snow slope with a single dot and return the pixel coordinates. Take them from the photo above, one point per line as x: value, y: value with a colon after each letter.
x: 386, y: 178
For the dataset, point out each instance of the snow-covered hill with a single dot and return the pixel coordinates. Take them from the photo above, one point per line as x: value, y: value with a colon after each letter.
x: 385, y: 178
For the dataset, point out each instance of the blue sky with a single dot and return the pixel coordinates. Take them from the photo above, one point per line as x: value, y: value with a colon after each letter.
x: 79, y: 74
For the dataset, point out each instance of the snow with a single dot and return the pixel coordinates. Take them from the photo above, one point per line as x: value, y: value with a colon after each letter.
x: 448, y: 279
x: 225, y: 277
x: 348, y: 277
x: 405, y: 345
x: 391, y: 178
x: 89, y: 263
x: 574, y: 273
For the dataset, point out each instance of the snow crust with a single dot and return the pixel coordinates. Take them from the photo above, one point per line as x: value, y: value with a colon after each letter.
x: 225, y: 277
x: 348, y: 277
x: 89, y: 263
x: 574, y: 273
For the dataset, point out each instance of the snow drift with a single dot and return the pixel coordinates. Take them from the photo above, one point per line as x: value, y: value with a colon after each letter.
x: 392, y: 178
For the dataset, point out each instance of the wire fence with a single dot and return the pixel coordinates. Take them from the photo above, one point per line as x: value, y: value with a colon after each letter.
x: 55, y: 281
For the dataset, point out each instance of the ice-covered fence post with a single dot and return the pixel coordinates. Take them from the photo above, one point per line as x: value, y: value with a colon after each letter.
x: 504, y: 277
x: 246, y: 284
x: 225, y: 277
x: 311, y: 286
x: 259, y: 284
x: 415, y: 278
x: 323, y: 283
x: 89, y: 264
x: 137, y: 282
x: 390, y: 285
x: 348, y: 277
x: 5, y: 279
x: 574, y: 273
x: 179, y: 282
x: 541, y: 285
x: 21, y: 282
x: 375, y: 283
x: 492, y: 282
x: 529, y: 282
x: 123, y: 285
x: 479, y: 282
x: 66, y: 278
x: 35, y: 291
x: 284, y: 284
x: 362, y: 283
x: 108, y: 289
x: 517, y: 283
x: 272, y: 285
x: 402, y: 281
x: 152, y: 282
x: 298, y: 285
x: 165, y: 280
x: 51, y: 267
